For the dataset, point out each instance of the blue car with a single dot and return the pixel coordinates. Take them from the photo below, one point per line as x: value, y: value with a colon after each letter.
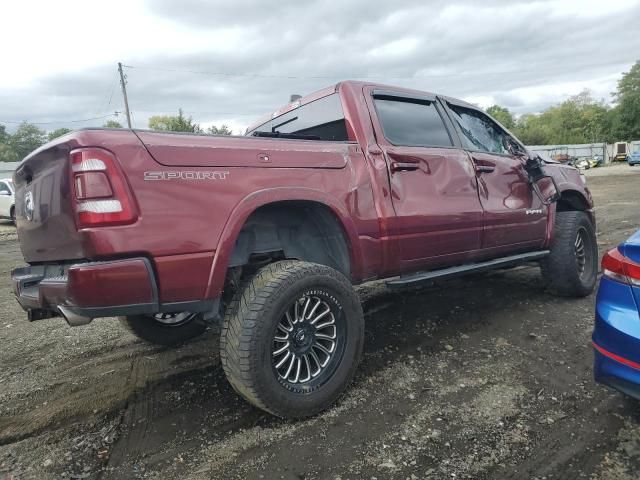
x: 616, y: 337
x: 634, y: 158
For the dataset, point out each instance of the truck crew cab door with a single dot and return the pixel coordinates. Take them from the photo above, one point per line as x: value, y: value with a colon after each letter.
x: 514, y: 217
x: 433, y: 186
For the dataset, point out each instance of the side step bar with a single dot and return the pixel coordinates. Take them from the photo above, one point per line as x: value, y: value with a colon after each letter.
x: 417, y: 278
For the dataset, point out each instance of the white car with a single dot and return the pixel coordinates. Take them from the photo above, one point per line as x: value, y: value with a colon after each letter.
x: 7, y: 199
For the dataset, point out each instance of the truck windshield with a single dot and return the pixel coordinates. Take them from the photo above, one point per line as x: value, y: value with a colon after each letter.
x: 322, y: 119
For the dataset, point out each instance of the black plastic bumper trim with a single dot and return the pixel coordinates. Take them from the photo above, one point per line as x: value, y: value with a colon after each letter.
x: 195, y: 306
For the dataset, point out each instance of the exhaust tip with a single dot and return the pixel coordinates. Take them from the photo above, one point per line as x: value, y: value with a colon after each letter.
x: 73, y: 319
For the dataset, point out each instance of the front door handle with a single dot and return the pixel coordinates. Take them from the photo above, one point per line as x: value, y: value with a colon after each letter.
x: 404, y: 166
x: 483, y: 166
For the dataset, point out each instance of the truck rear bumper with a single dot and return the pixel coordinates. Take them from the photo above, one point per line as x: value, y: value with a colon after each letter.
x: 81, y: 292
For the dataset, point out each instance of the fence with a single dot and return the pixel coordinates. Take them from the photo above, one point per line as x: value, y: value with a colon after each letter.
x: 604, y: 151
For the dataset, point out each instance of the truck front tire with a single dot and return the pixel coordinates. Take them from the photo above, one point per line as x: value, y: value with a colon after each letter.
x: 292, y: 338
x: 571, y: 268
x: 165, y: 329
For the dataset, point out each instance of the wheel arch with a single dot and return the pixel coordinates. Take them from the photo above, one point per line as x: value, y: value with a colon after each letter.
x: 264, y: 222
x: 572, y: 200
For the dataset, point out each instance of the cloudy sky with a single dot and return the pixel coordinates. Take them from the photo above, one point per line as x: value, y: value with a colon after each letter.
x: 232, y: 61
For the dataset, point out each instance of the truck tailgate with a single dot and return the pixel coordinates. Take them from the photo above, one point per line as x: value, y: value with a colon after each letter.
x: 175, y: 149
x: 45, y: 221
x: 45, y: 218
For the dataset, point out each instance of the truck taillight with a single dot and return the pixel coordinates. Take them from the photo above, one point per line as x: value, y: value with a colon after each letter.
x: 618, y: 267
x: 100, y: 194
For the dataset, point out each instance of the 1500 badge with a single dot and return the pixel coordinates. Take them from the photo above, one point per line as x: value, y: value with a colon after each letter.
x: 185, y: 175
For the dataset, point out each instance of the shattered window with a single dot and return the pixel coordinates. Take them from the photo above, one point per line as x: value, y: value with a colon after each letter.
x: 479, y: 132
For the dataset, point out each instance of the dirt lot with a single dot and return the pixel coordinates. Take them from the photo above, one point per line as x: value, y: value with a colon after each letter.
x: 484, y: 378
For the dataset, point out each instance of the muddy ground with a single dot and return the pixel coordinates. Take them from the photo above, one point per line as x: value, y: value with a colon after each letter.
x: 485, y: 378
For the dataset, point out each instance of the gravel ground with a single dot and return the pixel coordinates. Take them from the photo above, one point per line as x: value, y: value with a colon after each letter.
x: 484, y: 378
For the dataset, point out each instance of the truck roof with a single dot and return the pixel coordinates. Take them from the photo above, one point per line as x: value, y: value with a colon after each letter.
x: 335, y: 88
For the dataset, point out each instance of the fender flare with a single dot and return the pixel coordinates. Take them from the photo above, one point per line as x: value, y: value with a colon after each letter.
x: 249, y: 204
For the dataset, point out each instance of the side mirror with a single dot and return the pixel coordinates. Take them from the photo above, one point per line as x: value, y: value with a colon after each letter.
x: 4, y: 193
x: 543, y: 185
x: 546, y: 189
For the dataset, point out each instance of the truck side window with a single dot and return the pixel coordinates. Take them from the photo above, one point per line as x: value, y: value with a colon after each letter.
x: 411, y: 122
x: 479, y: 132
x: 4, y: 189
x: 322, y: 118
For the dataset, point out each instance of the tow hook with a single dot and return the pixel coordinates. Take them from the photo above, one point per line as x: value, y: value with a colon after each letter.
x: 34, y: 314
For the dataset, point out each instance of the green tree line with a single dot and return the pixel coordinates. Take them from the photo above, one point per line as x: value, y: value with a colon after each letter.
x: 581, y: 118
x: 180, y: 123
x: 27, y: 137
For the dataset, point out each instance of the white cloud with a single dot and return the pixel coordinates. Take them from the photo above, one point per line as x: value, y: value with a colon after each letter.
x: 59, y: 60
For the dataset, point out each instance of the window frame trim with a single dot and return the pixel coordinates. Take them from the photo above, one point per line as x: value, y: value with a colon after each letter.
x: 419, y: 99
x: 249, y: 133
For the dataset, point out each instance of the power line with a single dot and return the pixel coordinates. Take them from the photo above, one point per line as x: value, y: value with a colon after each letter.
x: 115, y: 114
x: 199, y: 113
x: 106, y: 102
x: 113, y: 88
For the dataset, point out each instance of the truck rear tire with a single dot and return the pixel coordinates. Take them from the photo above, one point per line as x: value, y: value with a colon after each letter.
x: 165, y: 328
x: 571, y: 268
x: 292, y: 338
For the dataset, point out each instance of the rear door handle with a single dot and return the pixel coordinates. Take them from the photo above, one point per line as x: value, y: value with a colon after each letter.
x: 404, y: 166
x: 484, y: 168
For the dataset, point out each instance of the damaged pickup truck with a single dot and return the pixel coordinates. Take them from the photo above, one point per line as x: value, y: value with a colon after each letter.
x: 267, y: 233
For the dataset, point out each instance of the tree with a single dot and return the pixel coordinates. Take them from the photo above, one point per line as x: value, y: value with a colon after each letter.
x: 531, y: 130
x: 579, y: 119
x: 7, y: 154
x: 58, y: 132
x: 4, y: 136
x: 27, y: 138
x: 221, y: 130
x: 626, y: 117
x: 112, y: 124
x: 503, y: 115
x: 174, y: 123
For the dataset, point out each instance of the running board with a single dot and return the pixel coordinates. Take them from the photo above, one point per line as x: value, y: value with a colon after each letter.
x: 416, y: 278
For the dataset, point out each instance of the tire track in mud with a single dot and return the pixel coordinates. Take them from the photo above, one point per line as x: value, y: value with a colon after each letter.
x: 137, y: 410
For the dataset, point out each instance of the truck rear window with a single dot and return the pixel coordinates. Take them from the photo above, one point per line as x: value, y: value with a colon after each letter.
x: 322, y: 119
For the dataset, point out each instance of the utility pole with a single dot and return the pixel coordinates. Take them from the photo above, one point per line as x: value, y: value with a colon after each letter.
x: 124, y: 94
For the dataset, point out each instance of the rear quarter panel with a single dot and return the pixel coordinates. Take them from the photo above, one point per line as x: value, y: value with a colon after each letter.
x: 188, y: 221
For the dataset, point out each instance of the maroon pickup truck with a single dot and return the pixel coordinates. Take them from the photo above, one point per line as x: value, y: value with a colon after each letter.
x: 267, y: 232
